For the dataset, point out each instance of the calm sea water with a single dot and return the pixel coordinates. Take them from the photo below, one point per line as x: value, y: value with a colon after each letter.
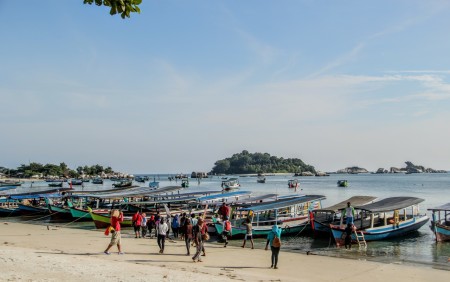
x: 418, y: 247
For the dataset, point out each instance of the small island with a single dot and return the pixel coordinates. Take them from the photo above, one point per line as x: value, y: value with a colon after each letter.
x: 253, y: 163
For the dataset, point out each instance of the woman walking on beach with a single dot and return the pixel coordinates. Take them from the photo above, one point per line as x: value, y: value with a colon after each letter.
x: 273, y: 238
x: 116, y: 219
x: 163, y: 228
x: 187, y: 233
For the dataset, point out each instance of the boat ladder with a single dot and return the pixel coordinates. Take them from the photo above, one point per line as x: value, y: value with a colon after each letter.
x: 360, y: 239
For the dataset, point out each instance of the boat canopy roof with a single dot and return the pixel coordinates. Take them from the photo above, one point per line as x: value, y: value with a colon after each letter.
x: 354, y: 201
x: 224, y: 196
x: 140, y: 191
x: 390, y: 204
x: 278, y: 204
x: 35, y: 196
x: 445, y: 207
x: 256, y: 198
x: 230, y: 180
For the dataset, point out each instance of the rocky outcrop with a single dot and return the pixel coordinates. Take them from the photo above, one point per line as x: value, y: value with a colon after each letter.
x: 353, y: 170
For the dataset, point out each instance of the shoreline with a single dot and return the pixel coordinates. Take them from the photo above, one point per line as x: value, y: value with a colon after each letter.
x: 35, y: 252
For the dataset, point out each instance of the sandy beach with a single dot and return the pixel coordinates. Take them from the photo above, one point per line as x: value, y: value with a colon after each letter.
x: 50, y: 253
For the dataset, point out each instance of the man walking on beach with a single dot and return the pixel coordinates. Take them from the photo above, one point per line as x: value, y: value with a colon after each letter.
x: 226, y: 231
x: 136, y: 220
x: 116, y: 219
x: 197, y: 232
x: 163, y: 228
x: 248, y: 235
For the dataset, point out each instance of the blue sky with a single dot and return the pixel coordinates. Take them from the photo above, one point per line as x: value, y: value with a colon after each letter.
x: 186, y: 83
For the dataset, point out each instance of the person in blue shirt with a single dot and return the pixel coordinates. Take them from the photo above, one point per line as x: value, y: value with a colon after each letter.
x: 175, y: 226
x: 276, y: 232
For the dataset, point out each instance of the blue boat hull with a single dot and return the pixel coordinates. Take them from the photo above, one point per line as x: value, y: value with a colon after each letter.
x: 382, y: 233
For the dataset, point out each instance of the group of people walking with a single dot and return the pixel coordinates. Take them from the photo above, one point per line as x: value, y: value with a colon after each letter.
x: 191, y: 229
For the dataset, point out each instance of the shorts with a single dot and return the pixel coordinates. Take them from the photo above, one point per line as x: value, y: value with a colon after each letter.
x: 115, y: 238
x: 137, y: 228
x: 248, y: 237
x: 349, y: 220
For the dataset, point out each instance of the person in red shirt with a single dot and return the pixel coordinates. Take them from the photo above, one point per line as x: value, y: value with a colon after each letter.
x: 136, y: 220
x: 224, y: 210
x: 116, y: 219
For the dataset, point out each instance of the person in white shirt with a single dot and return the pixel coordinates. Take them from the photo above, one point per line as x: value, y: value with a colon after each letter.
x: 163, y: 228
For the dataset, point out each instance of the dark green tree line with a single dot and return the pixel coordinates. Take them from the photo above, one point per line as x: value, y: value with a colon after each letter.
x: 246, y: 162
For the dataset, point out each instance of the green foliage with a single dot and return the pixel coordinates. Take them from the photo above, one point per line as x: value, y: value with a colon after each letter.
x: 60, y: 170
x: 123, y: 7
x: 246, y: 162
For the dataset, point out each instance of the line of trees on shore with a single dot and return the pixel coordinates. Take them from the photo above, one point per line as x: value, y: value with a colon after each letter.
x: 52, y: 170
x: 246, y: 162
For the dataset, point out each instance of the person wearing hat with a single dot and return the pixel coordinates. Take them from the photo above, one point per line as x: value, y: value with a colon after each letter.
x: 197, y: 234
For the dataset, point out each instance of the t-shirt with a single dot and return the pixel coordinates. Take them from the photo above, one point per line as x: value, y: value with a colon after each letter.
x: 163, y: 228
x: 115, y: 222
x: 349, y: 211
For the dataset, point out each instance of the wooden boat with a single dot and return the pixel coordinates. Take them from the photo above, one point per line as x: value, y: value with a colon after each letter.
x: 97, y: 180
x: 8, y: 183
x: 55, y: 184
x: 30, y: 209
x: 58, y: 210
x: 185, y: 183
x: 290, y: 214
x: 103, y: 220
x: 76, y: 182
x: 123, y: 183
x: 153, y: 184
x: 342, y: 183
x: 261, y: 179
x: 388, y: 218
x: 293, y: 183
x: 139, y: 179
x: 9, y: 208
x: 230, y: 184
x: 440, y: 222
x: 83, y: 214
x: 322, y: 218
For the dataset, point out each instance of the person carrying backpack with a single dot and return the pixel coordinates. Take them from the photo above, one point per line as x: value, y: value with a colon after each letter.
x: 274, y: 239
x: 226, y: 230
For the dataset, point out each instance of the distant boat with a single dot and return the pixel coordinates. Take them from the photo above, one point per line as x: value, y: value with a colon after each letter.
x: 76, y: 181
x: 230, y: 184
x: 440, y: 222
x: 97, y: 180
x: 342, y: 183
x: 139, y: 179
x: 293, y: 183
x: 10, y: 183
x: 153, y: 184
x: 123, y: 183
x: 261, y: 179
x: 55, y: 184
x: 185, y: 183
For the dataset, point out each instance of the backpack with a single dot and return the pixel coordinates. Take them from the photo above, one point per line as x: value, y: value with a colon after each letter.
x: 227, y: 226
x: 276, y: 242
